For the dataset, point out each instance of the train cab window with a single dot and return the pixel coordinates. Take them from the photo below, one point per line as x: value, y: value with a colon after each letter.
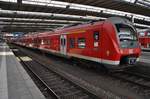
x: 96, y: 36
x: 81, y: 43
x: 141, y: 34
x: 127, y: 36
x: 148, y: 34
x: 72, y: 42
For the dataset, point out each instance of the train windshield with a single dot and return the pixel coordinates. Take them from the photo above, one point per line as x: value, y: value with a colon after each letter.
x: 127, y: 36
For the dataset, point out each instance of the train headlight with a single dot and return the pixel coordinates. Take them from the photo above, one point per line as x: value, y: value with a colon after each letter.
x: 138, y: 59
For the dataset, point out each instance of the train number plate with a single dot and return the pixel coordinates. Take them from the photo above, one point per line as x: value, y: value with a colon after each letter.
x: 132, y: 61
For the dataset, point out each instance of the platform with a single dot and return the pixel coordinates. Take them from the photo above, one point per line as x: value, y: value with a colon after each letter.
x: 146, y: 49
x: 15, y: 83
x: 144, y: 60
x: 145, y: 57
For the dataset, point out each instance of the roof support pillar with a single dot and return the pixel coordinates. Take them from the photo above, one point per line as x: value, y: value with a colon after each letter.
x: 1, y: 28
x: 132, y: 19
x: 135, y: 1
x: 19, y: 1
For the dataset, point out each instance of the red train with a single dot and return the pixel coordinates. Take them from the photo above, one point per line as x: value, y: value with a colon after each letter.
x: 113, y: 42
x: 144, y: 38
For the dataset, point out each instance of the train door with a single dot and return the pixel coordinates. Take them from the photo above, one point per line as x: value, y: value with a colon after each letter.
x: 63, y: 44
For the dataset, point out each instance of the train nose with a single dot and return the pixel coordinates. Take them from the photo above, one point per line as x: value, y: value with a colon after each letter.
x: 129, y: 60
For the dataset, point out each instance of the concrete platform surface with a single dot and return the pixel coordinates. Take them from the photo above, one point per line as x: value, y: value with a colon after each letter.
x: 146, y: 49
x: 15, y: 83
x: 145, y: 57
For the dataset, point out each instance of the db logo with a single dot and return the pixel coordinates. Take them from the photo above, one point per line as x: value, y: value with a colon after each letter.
x: 130, y: 51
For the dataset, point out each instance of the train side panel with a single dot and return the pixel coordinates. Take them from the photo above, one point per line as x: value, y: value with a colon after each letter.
x: 83, y: 45
x: 110, y: 47
x: 50, y: 43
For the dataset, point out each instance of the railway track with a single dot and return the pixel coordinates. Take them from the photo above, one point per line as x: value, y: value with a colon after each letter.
x: 140, y: 82
x: 138, y: 79
x: 47, y: 92
x: 131, y: 80
x: 58, y: 86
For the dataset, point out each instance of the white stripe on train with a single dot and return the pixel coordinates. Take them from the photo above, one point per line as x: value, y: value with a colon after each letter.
x: 99, y: 60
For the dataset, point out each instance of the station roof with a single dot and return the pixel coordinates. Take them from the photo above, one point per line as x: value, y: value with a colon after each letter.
x: 132, y: 6
x: 26, y: 15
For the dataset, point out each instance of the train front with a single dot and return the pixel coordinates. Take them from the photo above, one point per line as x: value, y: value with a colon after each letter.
x: 129, y: 48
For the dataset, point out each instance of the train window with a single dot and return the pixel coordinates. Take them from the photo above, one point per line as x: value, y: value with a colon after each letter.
x: 37, y: 41
x: 62, y: 41
x: 96, y: 35
x: 81, y: 43
x: 42, y: 42
x: 126, y: 32
x: 72, y: 43
x: 141, y: 34
x: 48, y: 42
x: 45, y: 41
x: 148, y: 34
x: 127, y: 36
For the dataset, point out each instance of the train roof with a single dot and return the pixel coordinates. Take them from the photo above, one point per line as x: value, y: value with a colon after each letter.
x: 118, y: 20
x: 113, y: 20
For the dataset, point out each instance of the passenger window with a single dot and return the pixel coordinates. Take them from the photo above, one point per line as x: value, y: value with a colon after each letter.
x: 81, y: 43
x: 96, y: 36
x: 72, y: 43
x: 48, y: 42
x: 38, y: 41
x: 42, y: 42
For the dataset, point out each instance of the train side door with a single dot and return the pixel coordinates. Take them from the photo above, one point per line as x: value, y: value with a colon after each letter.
x: 63, y: 44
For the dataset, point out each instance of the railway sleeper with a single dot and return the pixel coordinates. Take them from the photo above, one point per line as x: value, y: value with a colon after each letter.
x: 73, y: 93
x: 53, y: 83
x: 52, y: 80
x: 64, y: 86
x: 51, y: 75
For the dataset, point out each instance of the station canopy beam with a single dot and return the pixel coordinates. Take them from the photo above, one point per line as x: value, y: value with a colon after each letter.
x: 19, y: 2
x: 131, y: 6
x: 25, y: 30
x: 26, y: 14
x: 36, y: 20
x: 71, y: 9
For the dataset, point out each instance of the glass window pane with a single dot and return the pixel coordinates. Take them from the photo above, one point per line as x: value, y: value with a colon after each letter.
x: 96, y: 35
x: 81, y: 43
x: 72, y: 43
